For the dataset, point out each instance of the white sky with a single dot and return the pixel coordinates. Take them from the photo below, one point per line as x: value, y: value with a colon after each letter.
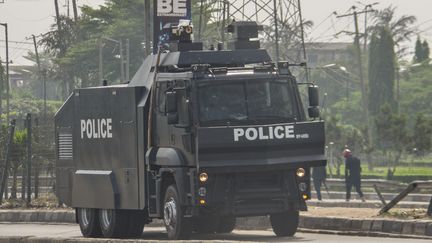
x: 27, y: 17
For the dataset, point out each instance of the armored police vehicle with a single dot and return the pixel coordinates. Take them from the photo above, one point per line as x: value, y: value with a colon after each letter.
x: 197, y: 138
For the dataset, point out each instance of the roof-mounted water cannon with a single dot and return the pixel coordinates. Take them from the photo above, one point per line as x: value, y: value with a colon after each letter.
x: 243, y: 32
x: 178, y: 36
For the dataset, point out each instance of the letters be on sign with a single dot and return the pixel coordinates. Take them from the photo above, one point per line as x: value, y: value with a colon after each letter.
x: 171, y: 8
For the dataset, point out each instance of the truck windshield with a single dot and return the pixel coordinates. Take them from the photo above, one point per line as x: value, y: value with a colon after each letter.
x: 247, y: 102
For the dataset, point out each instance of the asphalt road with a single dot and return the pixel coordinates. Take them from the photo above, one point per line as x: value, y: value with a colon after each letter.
x: 58, y: 232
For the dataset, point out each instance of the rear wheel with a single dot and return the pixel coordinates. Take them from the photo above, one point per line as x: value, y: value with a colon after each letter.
x: 226, y: 224
x: 177, y: 226
x: 89, y: 222
x: 285, y: 224
x: 114, y: 223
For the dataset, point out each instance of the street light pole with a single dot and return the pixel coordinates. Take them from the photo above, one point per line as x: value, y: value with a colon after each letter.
x: 120, y: 43
x: 5, y: 25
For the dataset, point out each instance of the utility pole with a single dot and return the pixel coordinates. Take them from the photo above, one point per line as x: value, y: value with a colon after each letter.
x: 147, y: 27
x: 122, y: 72
x: 57, y: 15
x: 29, y: 157
x: 68, y: 8
x: 5, y: 25
x: 75, y: 10
x: 101, y: 77
x: 120, y: 43
x: 41, y: 76
x: 276, y: 30
x: 360, y: 66
x: 303, y: 41
x: 223, y: 22
x: 127, y: 60
x: 200, y: 19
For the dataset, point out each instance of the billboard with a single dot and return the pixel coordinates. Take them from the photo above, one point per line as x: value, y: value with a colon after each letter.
x: 168, y: 11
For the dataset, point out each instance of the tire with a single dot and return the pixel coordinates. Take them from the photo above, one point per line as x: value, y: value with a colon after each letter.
x: 205, y: 224
x: 88, y: 221
x: 285, y: 224
x: 114, y: 223
x: 177, y: 226
x: 137, y: 220
x: 226, y: 224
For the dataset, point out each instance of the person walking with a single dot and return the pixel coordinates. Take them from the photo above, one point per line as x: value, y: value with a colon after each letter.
x: 319, y: 175
x: 352, y: 174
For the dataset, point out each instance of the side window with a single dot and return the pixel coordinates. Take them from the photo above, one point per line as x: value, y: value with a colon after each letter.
x: 161, y: 98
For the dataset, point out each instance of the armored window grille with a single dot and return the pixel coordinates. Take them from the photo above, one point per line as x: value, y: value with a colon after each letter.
x: 65, y: 149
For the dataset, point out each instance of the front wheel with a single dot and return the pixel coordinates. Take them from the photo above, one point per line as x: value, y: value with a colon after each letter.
x: 177, y: 226
x: 89, y: 222
x: 285, y: 224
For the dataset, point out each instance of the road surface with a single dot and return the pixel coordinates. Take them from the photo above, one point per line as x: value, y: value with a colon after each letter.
x: 58, y: 232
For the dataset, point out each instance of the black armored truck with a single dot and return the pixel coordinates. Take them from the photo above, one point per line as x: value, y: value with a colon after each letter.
x: 197, y: 138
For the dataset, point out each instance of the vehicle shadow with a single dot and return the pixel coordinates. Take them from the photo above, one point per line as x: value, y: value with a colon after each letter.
x: 243, y: 235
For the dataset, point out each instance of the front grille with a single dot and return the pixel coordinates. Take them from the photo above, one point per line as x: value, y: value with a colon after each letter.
x: 258, y: 182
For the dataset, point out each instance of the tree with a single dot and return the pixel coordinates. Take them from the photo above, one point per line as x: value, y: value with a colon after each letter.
x: 401, y: 29
x: 75, y: 48
x: 17, y: 158
x: 392, y: 134
x: 422, y: 134
x: 382, y: 69
x: 211, y: 26
x: 422, y: 51
x: 290, y: 44
x: 2, y: 81
x: 426, y: 50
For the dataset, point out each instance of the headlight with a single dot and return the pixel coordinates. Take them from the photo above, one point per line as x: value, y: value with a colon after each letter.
x: 301, y: 172
x: 203, y: 177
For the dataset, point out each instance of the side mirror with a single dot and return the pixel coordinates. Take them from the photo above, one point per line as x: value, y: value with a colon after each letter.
x: 171, y: 102
x: 171, y: 107
x: 314, y: 112
x: 313, y: 96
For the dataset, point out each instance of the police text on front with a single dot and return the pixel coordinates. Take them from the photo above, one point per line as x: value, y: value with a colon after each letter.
x: 264, y: 133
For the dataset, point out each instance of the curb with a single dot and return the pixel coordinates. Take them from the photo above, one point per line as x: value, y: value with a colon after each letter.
x: 366, y: 227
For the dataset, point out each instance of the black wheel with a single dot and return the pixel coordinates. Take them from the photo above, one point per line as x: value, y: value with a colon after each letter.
x: 114, y: 223
x: 89, y: 222
x: 285, y: 224
x: 205, y: 224
x: 177, y: 226
x: 226, y: 224
x: 137, y: 220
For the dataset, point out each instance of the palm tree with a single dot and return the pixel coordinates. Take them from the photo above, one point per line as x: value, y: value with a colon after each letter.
x: 401, y: 28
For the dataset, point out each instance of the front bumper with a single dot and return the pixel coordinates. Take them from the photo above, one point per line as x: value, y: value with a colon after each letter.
x: 252, y: 193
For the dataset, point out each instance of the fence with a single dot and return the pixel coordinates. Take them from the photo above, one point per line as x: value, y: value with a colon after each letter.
x: 27, y: 160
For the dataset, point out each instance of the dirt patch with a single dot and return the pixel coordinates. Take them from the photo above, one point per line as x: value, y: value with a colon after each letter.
x: 358, y: 213
x: 342, y: 212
